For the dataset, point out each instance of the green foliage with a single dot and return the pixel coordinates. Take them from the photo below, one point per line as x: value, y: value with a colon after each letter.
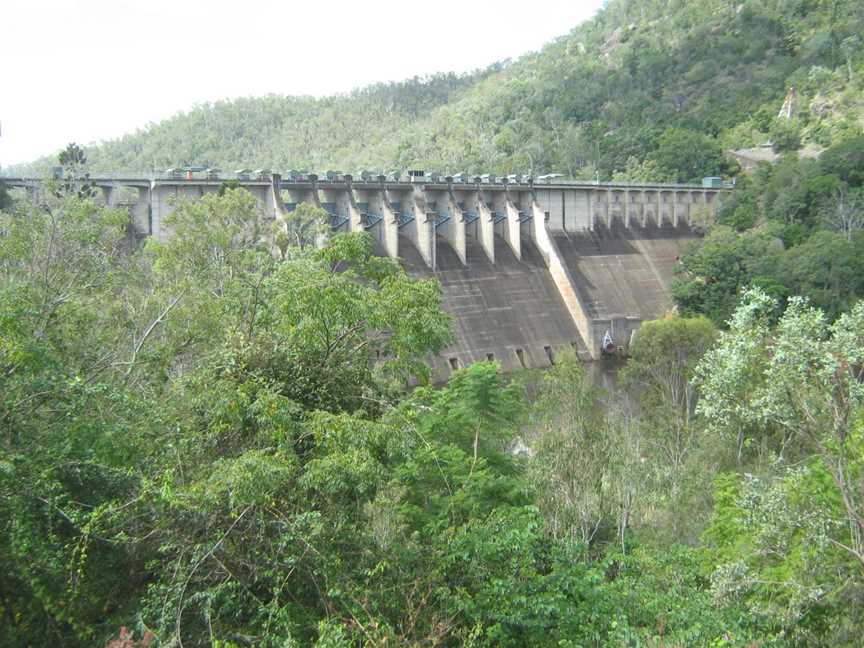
x: 712, y: 275
x: 200, y: 342
x: 773, y: 548
x: 200, y: 441
x: 741, y: 211
x: 76, y: 179
x: 5, y: 199
x: 827, y: 270
x: 814, y: 210
x: 785, y: 134
x: 776, y: 542
x: 304, y: 227
x: 636, y: 171
x: 667, y: 600
x: 763, y: 119
x: 210, y: 439
x: 515, y: 590
x: 684, y: 155
x: 71, y: 442
x: 664, y: 355
x: 575, y: 456
x: 846, y: 161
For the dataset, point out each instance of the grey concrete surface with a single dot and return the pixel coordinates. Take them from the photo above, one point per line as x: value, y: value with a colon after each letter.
x: 624, y: 272
x: 509, y: 311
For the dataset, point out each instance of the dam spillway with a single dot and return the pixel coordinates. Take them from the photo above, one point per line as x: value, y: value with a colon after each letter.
x: 526, y: 268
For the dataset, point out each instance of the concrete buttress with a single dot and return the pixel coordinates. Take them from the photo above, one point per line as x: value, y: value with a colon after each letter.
x: 417, y: 231
x: 512, y: 228
x: 486, y: 227
x: 562, y: 280
x: 453, y: 230
x: 355, y: 218
x: 390, y: 226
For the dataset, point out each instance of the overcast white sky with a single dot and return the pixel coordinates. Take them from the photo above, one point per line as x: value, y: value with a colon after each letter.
x: 90, y: 70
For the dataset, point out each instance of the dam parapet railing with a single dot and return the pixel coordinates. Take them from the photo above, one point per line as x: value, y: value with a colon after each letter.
x: 341, y: 178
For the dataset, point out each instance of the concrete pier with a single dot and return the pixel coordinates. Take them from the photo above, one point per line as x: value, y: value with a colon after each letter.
x: 389, y: 230
x: 449, y: 222
x: 512, y: 230
x: 485, y: 227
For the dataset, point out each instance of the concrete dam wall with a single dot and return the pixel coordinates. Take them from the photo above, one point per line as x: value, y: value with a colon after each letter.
x: 527, y: 268
x: 509, y: 311
x: 623, y: 275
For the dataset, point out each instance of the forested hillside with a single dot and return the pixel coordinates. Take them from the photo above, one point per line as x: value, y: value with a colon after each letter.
x: 648, y: 88
x: 287, y: 132
x: 794, y: 228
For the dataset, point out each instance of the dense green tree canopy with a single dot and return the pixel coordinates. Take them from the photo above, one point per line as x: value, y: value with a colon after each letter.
x: 683, y: 155
x: 210, y: 440
x: 781, y: 537
x: 795, y: 228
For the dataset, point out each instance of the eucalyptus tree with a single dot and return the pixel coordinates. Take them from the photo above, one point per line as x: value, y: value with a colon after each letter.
x: 792, y: 539
x: 664, y: 355
x: 573, y: 453
x: 76, y: 179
